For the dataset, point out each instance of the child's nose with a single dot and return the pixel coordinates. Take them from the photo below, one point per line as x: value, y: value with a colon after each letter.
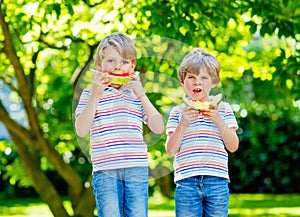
x: 198, y: 81
x: 117, y: 67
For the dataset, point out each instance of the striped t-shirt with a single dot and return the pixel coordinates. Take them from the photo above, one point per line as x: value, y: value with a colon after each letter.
x: 202, y: 151
x: 116, y: 133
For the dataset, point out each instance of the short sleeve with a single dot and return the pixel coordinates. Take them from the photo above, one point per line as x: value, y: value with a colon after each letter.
x: 82, y: 101
x: 230, y: 118
x: 173, y: 119
x: 144, y: 116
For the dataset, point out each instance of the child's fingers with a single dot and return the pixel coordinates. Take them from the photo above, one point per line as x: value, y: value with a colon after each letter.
x: 96, y: 82
x: 213, y: 106
x: 190, y: 112
x: 128, y: 85
x: 188, y: 108
x: 101, y: 77
x: 106, y: 80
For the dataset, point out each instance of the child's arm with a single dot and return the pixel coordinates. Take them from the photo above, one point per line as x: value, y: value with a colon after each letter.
x: 229, y: 135
x: 155, y: 121
x: 174, y: 138
x: 85, y: 119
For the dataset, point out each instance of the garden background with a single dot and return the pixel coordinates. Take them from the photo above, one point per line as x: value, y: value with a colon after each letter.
x: 47, y: 47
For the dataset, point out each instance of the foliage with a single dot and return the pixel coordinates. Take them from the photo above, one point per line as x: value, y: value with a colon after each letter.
x: 46, y: 48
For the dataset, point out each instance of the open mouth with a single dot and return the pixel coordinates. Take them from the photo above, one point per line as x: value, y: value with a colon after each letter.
x: 197, y: 90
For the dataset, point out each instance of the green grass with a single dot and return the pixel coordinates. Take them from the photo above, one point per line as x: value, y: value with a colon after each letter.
x: 287, y: 205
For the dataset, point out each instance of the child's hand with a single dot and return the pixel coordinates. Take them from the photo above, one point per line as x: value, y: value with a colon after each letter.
x: 212, y: 113
x: 188, y: 114
x: 136, y: 86
x: 99, y: 82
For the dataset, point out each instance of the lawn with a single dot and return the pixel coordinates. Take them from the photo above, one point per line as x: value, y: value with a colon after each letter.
x: 287, y: 205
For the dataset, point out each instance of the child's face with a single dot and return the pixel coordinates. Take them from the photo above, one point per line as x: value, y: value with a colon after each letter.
x: 114, y: 62
x: 198, y: 87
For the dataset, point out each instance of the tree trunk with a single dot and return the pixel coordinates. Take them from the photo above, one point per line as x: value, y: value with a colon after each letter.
x: 41, y: 183
x: 164, y: 180
x: 82, y: 200
x: 31, y: 143
x: 86, y: 204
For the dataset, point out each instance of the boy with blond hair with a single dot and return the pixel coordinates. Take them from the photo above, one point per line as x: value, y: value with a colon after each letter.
x: 113, y: 114
x: 198, y: 140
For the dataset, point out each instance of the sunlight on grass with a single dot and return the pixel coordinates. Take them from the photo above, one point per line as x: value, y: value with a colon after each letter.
x: 161, y: 213
x: 160, y: 206
x: 32, y: 210
x: 278, y: 212
x: 264, y: 205
x: 240, y: 205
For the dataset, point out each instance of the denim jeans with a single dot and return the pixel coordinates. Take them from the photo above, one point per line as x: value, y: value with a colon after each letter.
x: 121, y: 192
x: 202, y: 196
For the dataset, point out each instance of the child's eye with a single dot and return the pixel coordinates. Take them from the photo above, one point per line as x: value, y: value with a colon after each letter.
x: 190, y: 76
x: 125, y: 62
x: 110, y: 61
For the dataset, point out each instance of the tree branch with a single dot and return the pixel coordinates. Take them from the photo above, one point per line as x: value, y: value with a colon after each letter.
x: 8, y: 80
x: 92, y: 5
x: 41, y: 183
x: 42, y: 145
x: 32, y: 71
x: 75, y: 77
x: 41, y: 39
x: 24, y: 91
x: 35, y: 137
x: 16, y: 128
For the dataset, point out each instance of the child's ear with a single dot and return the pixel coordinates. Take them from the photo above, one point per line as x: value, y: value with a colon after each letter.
x: 214, y: 85
x: 181, y: 82
x: 98, y: 65
x: 133, y: 65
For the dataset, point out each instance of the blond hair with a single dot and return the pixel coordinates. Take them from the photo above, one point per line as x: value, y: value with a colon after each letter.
x: 123, y: 44
x: 198, y: 60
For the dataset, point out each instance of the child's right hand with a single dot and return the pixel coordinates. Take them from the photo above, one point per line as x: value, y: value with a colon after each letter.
x: 99, y: 82
x: 189, y: 113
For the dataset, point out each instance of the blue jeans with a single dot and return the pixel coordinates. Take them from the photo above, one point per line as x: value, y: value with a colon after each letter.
x: 121, y: 192
x: 202, y: 196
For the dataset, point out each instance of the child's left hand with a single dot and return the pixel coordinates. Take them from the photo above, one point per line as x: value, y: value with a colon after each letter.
x: 212, y: 113
x: 136, y: 86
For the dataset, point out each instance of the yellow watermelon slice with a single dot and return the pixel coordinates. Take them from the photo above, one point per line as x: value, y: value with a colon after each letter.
x: 122, y: 79
x: 202, y: 105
